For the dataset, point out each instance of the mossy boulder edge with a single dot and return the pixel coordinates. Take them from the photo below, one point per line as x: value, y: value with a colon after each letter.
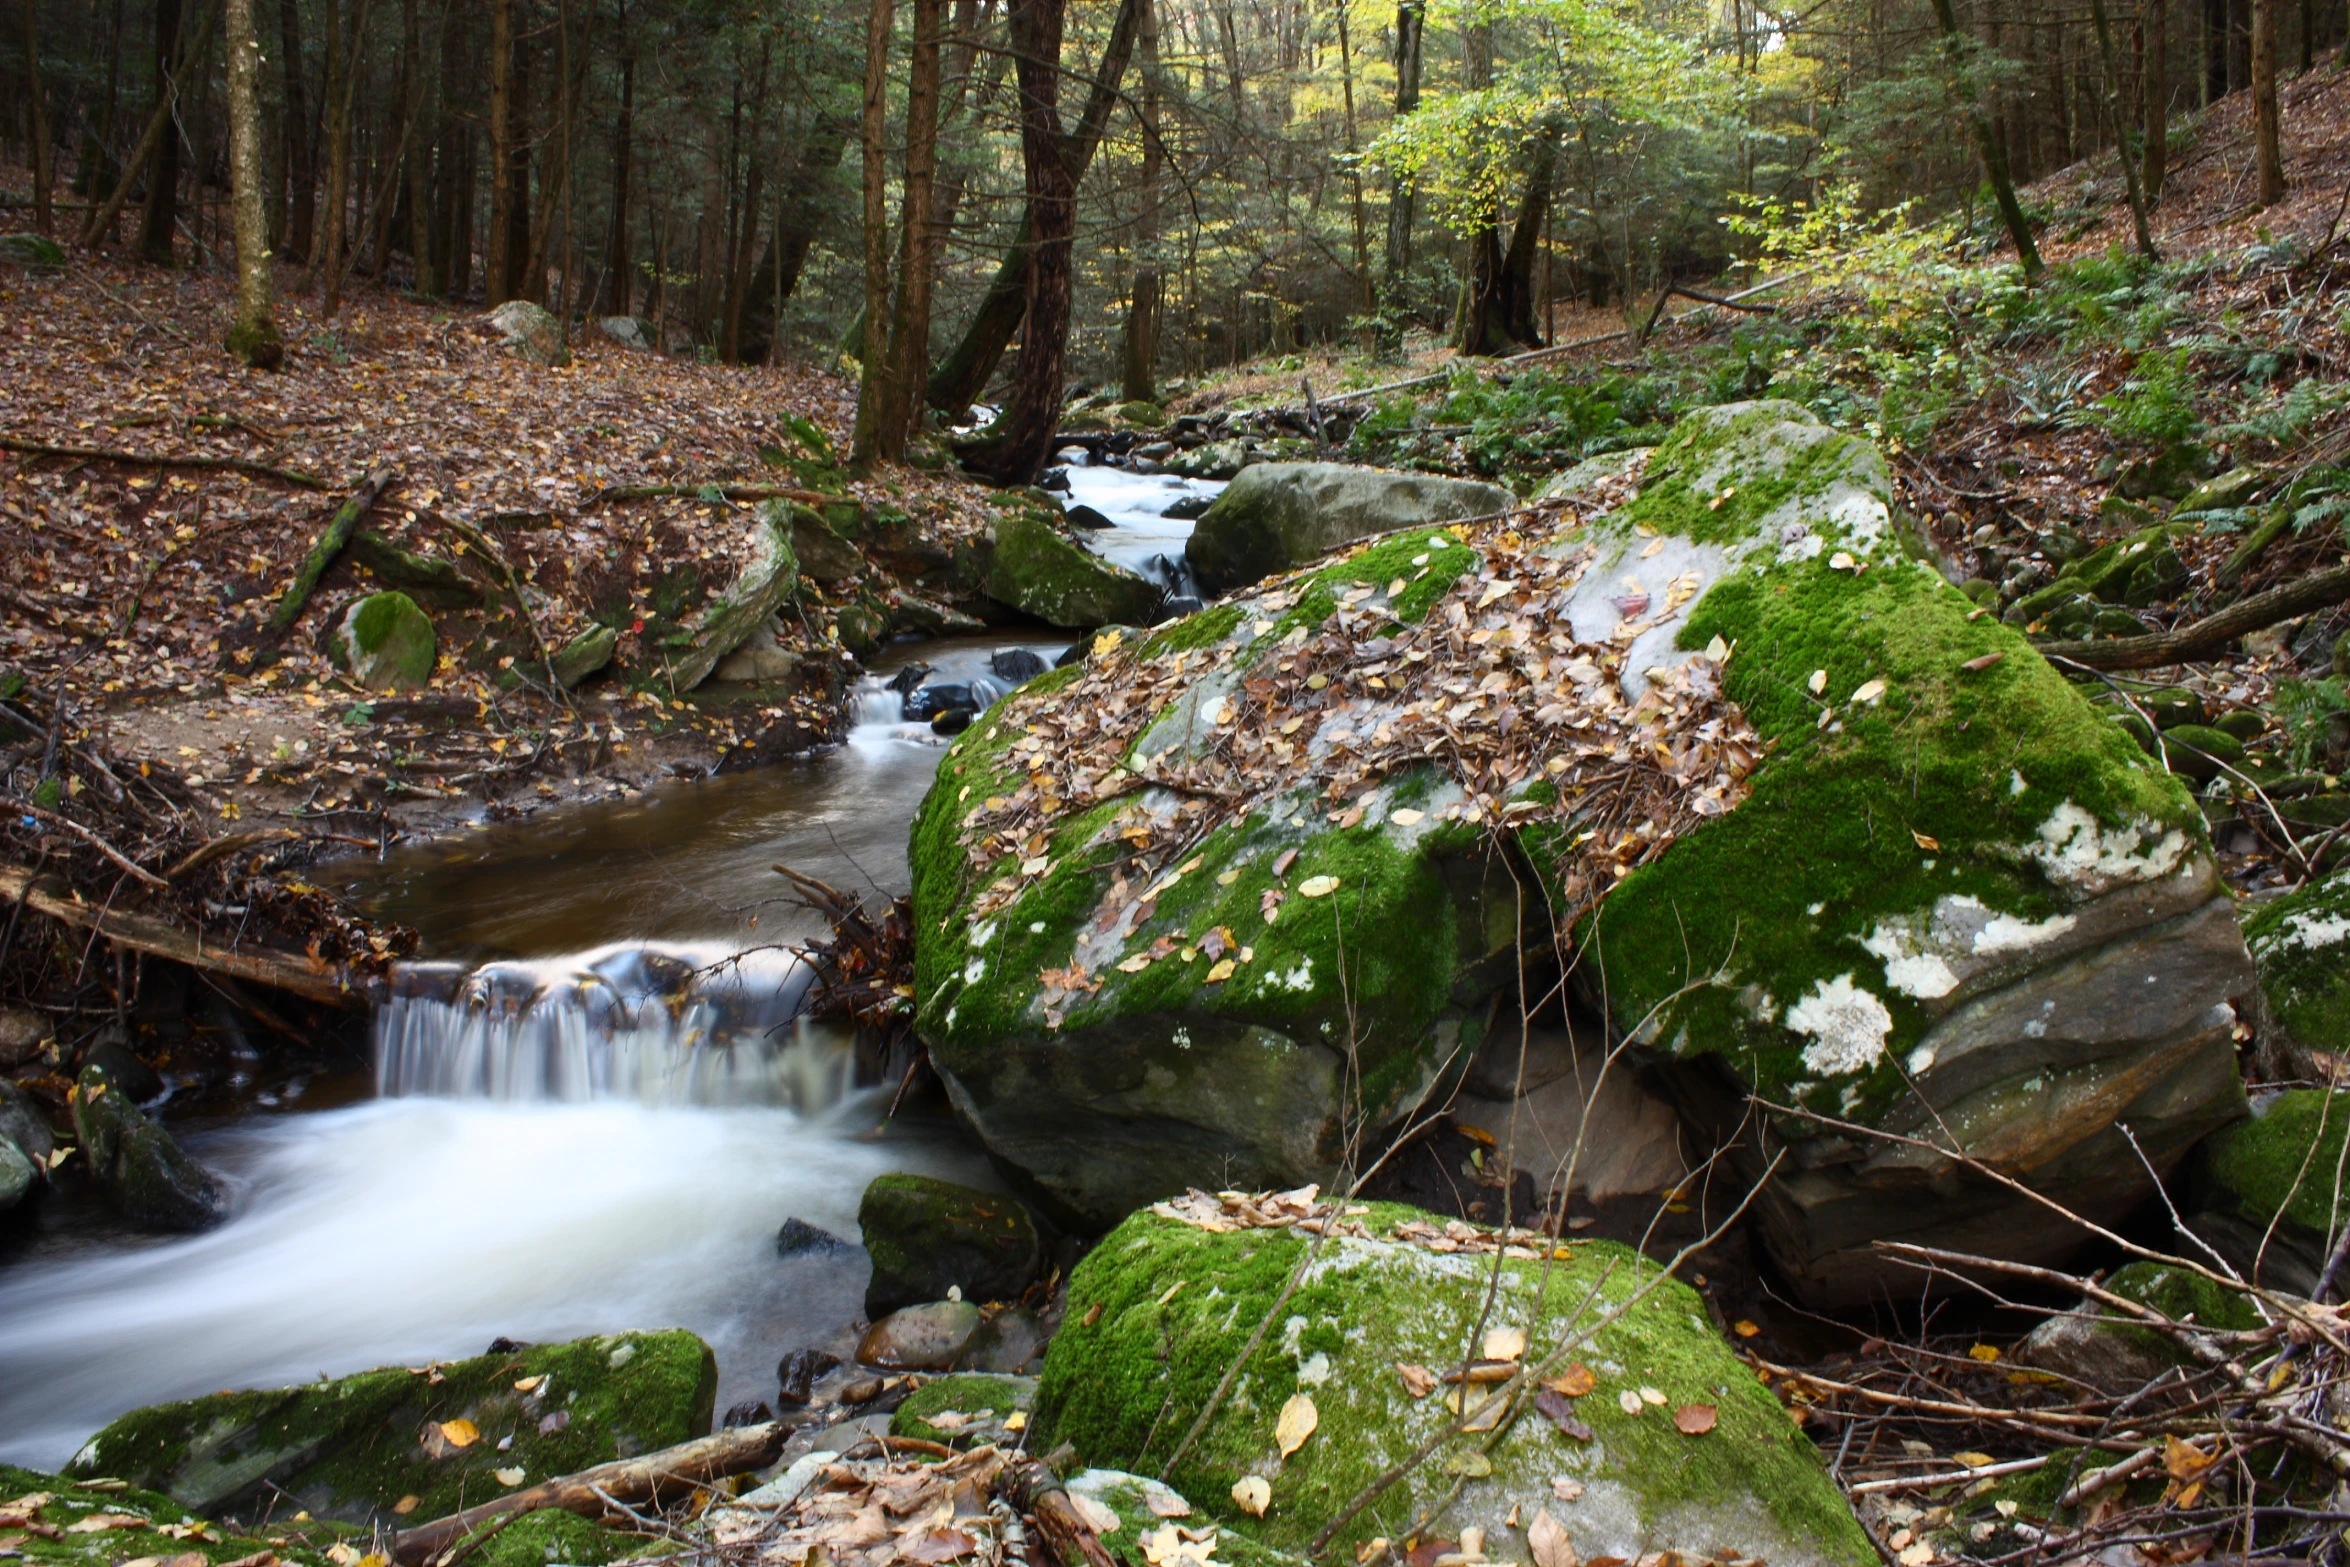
x: 2301, y: 945
x: 1038, y: 570
x: 353, y: 1447
x: 927, y: 1236
x: 1275, y: 516
x: 1161, y: 1309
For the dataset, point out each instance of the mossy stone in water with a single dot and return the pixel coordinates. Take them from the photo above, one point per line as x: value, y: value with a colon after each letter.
x: 927, y: 1236
x: 1039, y: 571
x: 145, y: 1173
x: 1161, y: 1310
x: 353, y: 1447
x: 387, y: 643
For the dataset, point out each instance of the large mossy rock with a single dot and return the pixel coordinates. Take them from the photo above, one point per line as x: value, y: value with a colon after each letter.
x: 1276, y: 516
x: 147, y: 1526
x: 530, y: 330
x: 352, y: 1448
x: 2301, y: 944
x: 1039, y: 571
x: 2272, y: 1193
x: 1958, y: 901
x: 1162, y: 1309
x: 147, y: 1175
x: 2137, y: 571
x: 927, y: 1236
x: 387, y: 643
x: 766, y: 573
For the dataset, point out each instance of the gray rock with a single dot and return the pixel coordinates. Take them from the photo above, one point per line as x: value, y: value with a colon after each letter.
x: 1216, y: 460
x: 799, y: 1238
x: 1009, y: 1343
x: 2116, y: 1355
x: 927, y: 1236
x: 23, y: 1125
x: 823, y: 554
x: 2272, y: 1192
x: 112, y: 1051
x: 797, y: 1371
x: 1036, y: 570
x: 21, y: 1036
x: 920, y: 1338
x: 18, y: 1177
x: 628, y: 331
x: 146, y: 1174
x: 761, y: 660
x: 585, y: 654
x: 530, y: 330
x: 2301, y: 945
x: 770, y: 571
x: 387, y: 643
x: 1276, y: 516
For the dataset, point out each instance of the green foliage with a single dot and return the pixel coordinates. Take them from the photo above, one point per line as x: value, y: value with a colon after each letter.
x: 1527, y: 424
x: 2305, y: 710
x: 2154, y: 408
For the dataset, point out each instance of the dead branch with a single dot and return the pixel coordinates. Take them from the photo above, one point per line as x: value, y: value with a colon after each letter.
x: 651, y: 1477
x: 329, y: 545
x: 244, y: 465
x: 2210, y: 635
x: 1068, y: 1538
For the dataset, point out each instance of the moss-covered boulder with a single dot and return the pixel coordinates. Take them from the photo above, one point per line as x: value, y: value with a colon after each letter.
x: 142, y: 1170
x: 766, y: 572
x: 1038, y: 570
x: 357, y: 1447
x: 2111, y: 1351
x: 530, y: 330
x: 585, y: 654
x: 2272, y: 1193
x: 135, y: 1524
x: 927, y: 1236
x: 1161, y: 1310
x: 2301, y: 944
x: 1275, y: 516
x: 2136, y: 571
x: 966, y: 1409
x: 1958, y: 900
x: 387, y: 643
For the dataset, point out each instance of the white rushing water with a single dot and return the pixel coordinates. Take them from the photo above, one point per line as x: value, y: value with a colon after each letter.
x: 1144, y: 539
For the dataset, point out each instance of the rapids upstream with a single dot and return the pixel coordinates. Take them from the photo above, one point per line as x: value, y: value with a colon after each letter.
x: 553, y: 1144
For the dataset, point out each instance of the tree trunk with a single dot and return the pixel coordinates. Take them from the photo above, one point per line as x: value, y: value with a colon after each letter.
x: 501, y: 261
x: 909, y: 327
x: 342, y: 88
x: 1023, y: 435
x: 43, y: 218
x: 151, y: 140
x: 1411, y: 20
x: 616, y: 257
x: 301, y: 127
x: 1354, y: 173
x: 419, y: 159
x: 2265, y: 132
x: 873, y: 348
x: 1987, y: 146
x: 1138, y: 378
x: 964, y: 374
x: 738, y: 279
x: 2157, y: 90
x: 163, y: 173
x: 2124, y: 134
x: 253, y: 338
x: 799, y: 215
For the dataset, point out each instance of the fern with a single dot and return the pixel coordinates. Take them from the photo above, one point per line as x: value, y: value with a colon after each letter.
x: 2306, y: 709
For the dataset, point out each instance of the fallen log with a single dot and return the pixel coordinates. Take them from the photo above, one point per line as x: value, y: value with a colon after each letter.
x: 2211, y: 635
x: 329, y: 545
x: 160, y: 938
x: 244, y: 465
x: 653, y: 1477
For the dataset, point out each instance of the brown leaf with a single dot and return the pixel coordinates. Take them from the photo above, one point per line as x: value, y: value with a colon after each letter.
x: 1559, y: 1411
x: 1418, y: 1381
x: 940, y: 1545
x: 1575, y: 1380
x: 1298, y: 1419
x: 1547, y: 1539
x: 1694, y: 1419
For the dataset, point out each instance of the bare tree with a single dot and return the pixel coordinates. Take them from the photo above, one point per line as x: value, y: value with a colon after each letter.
x: 43, y: 218
x: 253, y: 337
x: 2265, y: 137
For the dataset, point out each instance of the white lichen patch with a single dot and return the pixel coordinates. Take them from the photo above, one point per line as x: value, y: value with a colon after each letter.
x: 2311, y: 930
x: 1848, y: 1026
x: 2004, y: 933
x: 2086, y: 857
x: 1929, y: 957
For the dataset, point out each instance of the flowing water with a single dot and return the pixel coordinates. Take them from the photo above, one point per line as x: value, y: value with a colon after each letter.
x: 591, y: 1111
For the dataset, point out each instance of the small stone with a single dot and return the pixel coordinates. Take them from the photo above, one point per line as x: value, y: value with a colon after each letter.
x: 920, y: 1338
x: 797, y: 1371
x: 798, y: 1237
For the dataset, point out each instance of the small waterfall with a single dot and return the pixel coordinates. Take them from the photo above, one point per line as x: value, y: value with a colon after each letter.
x: 652, y: 1026
x: 876, y: 702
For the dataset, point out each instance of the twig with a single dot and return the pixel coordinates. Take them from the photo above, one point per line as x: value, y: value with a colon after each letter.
x: 92, y: 839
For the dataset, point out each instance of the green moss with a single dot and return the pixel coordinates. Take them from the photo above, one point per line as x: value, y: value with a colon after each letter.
x: 1205, y: 629
x: 971, y: 1394
x: 2183, y: 1297
x: 352, y: 1447
x: 1720, y: 450
x: 1178, y: 1304
x: 2286, y: 1160
x: 71, y: 1501
x: 1428, y: 561
x: 552, y: 1536
x: 1038, y: 570
x: 2302, y: 945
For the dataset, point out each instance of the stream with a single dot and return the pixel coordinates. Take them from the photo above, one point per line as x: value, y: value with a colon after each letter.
x: 591, y: 1106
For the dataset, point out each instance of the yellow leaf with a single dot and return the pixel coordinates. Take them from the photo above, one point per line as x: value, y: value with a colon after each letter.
x: 2182, y: 1460
x: 1505, y: 1344
x: 1868, y: 691
x: 1318, y: 886
x: 508, y: 1477
x: 529, y: 1384
x: 407, y: 1504
x: 1983, y: 1352
x: 1547, y: 1539
x: 1297, y: 1422
x: 1744, y: 1328
x: 1252, y: 1495
x: 460, y: 1433
x: 1221, y: 972
x: 1973, y: 1460
x: 1135, y: 964
x: 1931, y: 846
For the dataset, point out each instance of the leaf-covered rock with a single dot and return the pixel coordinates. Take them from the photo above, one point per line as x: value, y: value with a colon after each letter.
x: 354, y: 1447
x: 104, y: 1521
x: 1276, y: 516
x: 1162, y: 1309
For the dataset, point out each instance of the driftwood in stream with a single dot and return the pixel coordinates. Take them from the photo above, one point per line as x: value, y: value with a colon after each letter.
x: 2210, y: 636
x: 653, y: 1478
x: 160, y: 938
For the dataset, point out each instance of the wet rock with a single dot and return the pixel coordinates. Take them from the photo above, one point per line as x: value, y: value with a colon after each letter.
x: 2271, y: 1191
x: 628, y: 331
x: 862, y: 629
x: 1088, y: 518
x: 585, y: 654
x: 799, y: 1238
x: 748, y: 1413
x: 1054, y: 479
x: 951, y: 722
x: 18, y: 1177
x: 23, y: 1124
x: 2110, y: 1352
x: 1160, y: 1309
x: 530, y: 330
x: 1276, y: 516
x: 769, y: 573
x: 1009, y: 1342
x: 910, y: 613
x: 919, y: 1338
x: 111, y: 1050
x: 352, y: 1447
x: 1012, y: 665
x: 928, y: 1236
x: 797, y: 1371
x: 2301, y: 946
x: 1039, y: 572
x: 143, y: 1171
x: 1185, y: 508
x: 1176, y: 608
x: 386, y: 643
x: 824, y: 555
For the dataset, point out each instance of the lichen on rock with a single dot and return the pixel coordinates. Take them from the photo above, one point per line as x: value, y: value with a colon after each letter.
x: 1162, y: 1309
x: 2301, y: 945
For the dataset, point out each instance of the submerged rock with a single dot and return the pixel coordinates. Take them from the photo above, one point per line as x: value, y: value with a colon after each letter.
x: 387, y: 643
x: 353, y: 1447
x: 1278, y: 515
x: 799, y: 1238
x: 928, y: 1236
x: 2301, y: 945
x: 1160, y: 1310
x: 143, y: 1171
x: 1036, y: 570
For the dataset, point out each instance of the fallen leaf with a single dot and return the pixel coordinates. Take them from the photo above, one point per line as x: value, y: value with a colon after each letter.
x: 1574, y: 1380
x: 1469, y: 1462
x: 1818, y: 682
x: 1868, y: 691
x: 2180, y: 1460
x: 1976, y: 665
x: 1566, y: 1490
x: 1318, y: 886
x: 508, y: 1477
x: 1163, y: 1503
x: 529, y: 1384
x: 1555, y: 1408
x: 1918, y: 1554
x: 946, y: 1545
x: 1252, y: 1495
x: 1744, y: 1328
x: 99, y: 1523
x: 1221, y: 972
x: 1694, y: 1419
x: 1629, y: 1402
x: 1298, y: 1419
x: 1505, y: 1344
x: 1097, y: 1517
x: 1650, y: 1395
x: 1934, y: 845
x: 1973, y: 1460
x: 1405, y: 816
x: 1017, y: 1420
x: 407, y: 1504
x: 1842, y: 561
x: 459, y: 1433
x: 1418, y: 1381
x: 1985, y: 1353
x: 1547, y: 1539
x: 555, y: 1422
